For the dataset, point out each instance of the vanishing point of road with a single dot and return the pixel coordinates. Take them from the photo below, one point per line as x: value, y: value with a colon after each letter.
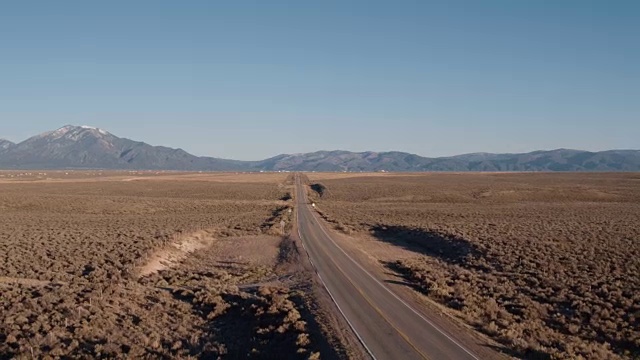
x: 387, y: 326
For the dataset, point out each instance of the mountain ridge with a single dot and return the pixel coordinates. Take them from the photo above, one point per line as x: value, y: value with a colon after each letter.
x: 84, y: 147
x: 5, y: 144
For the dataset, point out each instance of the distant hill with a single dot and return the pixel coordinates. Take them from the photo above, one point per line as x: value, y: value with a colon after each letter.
x: 84, y: 147
x: 554, y: 160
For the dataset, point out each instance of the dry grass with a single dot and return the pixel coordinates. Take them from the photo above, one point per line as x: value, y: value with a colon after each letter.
x: 547, y: 264
x: 13, y: 176
x: 75, y: 279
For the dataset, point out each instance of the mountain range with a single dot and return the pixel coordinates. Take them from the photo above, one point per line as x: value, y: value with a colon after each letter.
x: 85, y: 147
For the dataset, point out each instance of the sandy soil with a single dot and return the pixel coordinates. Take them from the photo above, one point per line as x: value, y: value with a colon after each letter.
x: 172, y: 254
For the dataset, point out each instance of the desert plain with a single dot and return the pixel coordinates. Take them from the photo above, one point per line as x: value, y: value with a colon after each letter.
x: 153, y: 265
x: 547, y: 265
x: 146, y: 264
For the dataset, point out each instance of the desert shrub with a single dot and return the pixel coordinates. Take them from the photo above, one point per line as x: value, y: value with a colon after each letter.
x: 544, y: 266
x: 68, y: 280
x: 319, y: 188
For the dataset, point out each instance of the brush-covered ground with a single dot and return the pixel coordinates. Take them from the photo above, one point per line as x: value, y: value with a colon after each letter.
x: 548, y: 265
x: 153, y: 265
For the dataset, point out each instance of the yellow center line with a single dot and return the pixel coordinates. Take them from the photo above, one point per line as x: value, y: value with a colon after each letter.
x: 377, y: 309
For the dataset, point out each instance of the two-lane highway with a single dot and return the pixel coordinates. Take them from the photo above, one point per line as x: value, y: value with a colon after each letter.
x: 388, y: 327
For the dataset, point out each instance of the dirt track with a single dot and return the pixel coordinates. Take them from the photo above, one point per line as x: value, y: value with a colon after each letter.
x: 165, y: 266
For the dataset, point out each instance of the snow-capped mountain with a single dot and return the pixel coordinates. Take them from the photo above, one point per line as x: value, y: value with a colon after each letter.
x: 71, y: 132
x: 89, y: 147
x: 83, y: 147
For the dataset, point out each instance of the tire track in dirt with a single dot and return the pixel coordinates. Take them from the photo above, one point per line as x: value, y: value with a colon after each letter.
x: 174, y: 253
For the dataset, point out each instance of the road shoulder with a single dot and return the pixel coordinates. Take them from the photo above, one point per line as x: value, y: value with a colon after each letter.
x: 333, y: 324
x: 372, y: 254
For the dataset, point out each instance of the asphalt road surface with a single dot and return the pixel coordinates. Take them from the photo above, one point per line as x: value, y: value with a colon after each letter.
x: 388, y: 327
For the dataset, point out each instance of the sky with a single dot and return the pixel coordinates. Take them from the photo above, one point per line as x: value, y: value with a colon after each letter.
x: 251, y: 79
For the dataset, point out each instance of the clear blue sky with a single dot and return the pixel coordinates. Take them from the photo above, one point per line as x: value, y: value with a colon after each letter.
x: 248, y: 80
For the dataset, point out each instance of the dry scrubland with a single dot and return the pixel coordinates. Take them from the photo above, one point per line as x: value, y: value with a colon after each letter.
x: 151, y: 266
x: 546, y: 264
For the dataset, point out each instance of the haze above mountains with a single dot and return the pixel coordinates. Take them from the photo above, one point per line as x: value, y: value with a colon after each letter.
x: 85, y: 147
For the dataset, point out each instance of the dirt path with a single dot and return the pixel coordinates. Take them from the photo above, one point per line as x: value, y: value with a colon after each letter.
x: 172, y: 254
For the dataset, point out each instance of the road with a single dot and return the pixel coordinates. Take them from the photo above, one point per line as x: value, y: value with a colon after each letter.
x: 387, y: 326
